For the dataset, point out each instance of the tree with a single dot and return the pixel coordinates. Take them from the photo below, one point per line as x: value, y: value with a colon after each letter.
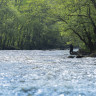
x: 78, y: 17
x: 25, y: 25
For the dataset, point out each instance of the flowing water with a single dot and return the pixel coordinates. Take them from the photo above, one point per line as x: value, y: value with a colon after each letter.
x: 46, y: 73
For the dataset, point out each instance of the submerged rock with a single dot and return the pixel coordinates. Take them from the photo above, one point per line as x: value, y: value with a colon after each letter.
x: 71, y: 56
x: 79, y: 56
x: 74, y: 53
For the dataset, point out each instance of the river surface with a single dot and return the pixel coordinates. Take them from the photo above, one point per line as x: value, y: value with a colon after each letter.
x: 46, y: 73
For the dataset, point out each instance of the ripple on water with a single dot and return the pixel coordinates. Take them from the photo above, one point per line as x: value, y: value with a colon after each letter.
x: 46, y: 73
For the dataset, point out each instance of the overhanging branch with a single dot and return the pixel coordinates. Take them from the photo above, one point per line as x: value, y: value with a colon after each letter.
x: 61, y: 19
x: 79, y: 15
x: 82, y: 39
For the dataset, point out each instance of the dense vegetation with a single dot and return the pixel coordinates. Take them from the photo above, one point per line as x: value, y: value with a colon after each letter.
x: 46, y: 24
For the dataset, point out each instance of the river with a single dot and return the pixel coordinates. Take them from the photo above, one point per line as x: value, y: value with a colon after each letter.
x: 46, y: 73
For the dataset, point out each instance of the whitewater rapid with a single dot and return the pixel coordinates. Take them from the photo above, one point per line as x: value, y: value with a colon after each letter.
x: 46, y: 73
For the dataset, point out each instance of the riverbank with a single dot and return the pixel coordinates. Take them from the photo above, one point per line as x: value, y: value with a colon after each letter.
x: 93, y: 54
x: 82, y: 53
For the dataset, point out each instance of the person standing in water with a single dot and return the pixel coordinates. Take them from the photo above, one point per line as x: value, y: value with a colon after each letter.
x: 71, y: 48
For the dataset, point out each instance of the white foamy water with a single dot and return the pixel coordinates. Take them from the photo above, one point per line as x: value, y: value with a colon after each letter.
x: 46, y: 73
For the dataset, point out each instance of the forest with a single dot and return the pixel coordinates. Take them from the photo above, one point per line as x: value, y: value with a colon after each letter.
x: 47, y: 24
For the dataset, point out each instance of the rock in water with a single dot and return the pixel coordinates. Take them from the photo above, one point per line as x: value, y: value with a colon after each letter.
x: 74, y: 53
x: 71, y: 56
x: 79, y: 56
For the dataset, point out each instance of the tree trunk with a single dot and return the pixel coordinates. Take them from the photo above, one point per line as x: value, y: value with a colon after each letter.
x: 91, y: 46
x: 94, y: 30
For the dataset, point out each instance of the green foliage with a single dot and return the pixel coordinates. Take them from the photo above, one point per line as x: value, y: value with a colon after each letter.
x: 79, y: 20
x: 42, y: 24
